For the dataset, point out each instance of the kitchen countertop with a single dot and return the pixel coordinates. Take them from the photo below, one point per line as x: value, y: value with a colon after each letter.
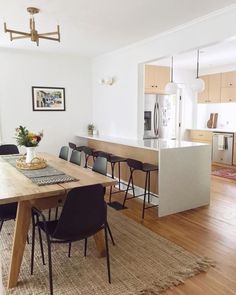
x: 151, y: 144
x: 223, y: 130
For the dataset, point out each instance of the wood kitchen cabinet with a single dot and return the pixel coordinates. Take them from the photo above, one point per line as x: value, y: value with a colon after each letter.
x: 228, y: 90
x: 204, y: 95
x: 212, y: 91
x: 228, y: 79
x: 228, y: 94
x: 156, y: 78
x: 203, y: 136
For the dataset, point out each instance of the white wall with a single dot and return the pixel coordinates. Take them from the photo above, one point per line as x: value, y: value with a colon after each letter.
x: 20, y: 70
x: 117, y: 109
x: 226, y: 115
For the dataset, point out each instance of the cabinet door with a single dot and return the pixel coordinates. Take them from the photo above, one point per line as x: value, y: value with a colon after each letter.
x: 228, y: 94
x: 229, y: 79
x: 214, y: 88
x: 162, y: 77
x: 156, y: 78
x: 150, y: 80
x: 203, y: 97
x: 201, y: 136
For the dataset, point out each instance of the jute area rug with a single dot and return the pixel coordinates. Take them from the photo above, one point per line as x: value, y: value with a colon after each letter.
x: 142, y: 262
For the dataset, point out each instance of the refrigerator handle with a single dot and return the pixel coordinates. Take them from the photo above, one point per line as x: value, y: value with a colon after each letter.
x: 155, y: 121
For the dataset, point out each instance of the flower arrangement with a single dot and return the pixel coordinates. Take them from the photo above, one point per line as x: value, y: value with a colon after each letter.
x: 91, y: 127
x: 26, y: 138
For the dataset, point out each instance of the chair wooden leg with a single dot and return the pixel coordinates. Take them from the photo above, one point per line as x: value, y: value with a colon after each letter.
x: 108, y: 258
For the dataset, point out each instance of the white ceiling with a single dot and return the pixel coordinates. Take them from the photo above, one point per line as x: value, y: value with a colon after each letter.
x: 215, y: 57
x: 93, y: 27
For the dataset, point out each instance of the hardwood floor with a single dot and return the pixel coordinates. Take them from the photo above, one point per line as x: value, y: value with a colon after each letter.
x: 207, y: 231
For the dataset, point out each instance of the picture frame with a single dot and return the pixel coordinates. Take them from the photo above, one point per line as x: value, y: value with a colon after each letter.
x: 48, y: 98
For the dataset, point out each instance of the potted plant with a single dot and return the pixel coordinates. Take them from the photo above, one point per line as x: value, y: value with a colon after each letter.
x: 91, y: 127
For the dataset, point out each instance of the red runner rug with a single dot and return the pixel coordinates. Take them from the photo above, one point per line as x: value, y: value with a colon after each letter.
x: 226, y: 173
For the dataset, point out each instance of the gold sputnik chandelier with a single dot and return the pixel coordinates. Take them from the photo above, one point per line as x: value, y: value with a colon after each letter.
x: 33, y: 34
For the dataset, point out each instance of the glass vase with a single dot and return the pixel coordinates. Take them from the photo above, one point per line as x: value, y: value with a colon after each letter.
x: 30, y: 154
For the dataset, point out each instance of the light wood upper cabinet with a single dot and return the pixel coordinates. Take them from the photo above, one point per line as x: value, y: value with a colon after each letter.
x: 211, y: 93
x: 156, y: 78
x: 228, y: 94
x: 204, y: 95
x: 214, y: 88
x: 228, y: 79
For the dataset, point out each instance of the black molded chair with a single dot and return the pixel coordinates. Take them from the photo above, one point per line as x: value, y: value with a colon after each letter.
x: 147, y: 168
x: 83, y: 215
x: 100, y: 166
x: 100, y: 163
x: 113, y: 160
x: 8, y: 211
x: 64, y: 152
x: 7, y: 149
x: 75, y: 157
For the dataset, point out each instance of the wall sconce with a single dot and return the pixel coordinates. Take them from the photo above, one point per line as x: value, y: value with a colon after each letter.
x: 107, y: 81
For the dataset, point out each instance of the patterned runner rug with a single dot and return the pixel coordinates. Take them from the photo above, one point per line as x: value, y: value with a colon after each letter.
x: 142, y: 262
x: 45, y: 176
x: 225, y: 173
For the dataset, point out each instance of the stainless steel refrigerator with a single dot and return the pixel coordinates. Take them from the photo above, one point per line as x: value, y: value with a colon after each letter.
x: 159, y: 116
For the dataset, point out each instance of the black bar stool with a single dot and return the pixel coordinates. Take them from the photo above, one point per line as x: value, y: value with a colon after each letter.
x: 116, y: 160
x: 89, y: 152
x: 147, y: 168
x: 113, y: 160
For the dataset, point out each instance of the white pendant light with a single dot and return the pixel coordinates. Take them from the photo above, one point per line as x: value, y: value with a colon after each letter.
x: 198, y: 84
x: 171, y: 87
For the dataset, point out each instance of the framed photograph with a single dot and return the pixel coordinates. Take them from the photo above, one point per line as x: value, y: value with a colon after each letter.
x: 48, y: 98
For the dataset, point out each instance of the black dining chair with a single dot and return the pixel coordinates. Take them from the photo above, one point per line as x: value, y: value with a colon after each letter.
x: 84, y: 214
x: 8, y: 211
x: 7, y: 149
x: 75, y: 157
x: 100, y: 166
x: 64, y: 152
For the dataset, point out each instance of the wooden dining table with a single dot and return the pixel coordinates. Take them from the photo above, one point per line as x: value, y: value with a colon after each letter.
x: 15, y: 187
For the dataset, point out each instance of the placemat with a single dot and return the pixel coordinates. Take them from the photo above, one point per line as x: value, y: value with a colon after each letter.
x: 45, y: 176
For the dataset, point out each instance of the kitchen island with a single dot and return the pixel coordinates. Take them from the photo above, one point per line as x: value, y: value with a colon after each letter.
x: 183, y: 179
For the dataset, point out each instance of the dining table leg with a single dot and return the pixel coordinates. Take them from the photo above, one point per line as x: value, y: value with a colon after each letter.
x: 100, y: 243
x: 22, y: 224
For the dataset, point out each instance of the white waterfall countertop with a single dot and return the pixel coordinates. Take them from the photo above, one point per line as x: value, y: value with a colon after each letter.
x: 151, y: 144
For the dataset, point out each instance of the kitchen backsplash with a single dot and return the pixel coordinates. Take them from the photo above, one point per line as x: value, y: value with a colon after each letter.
x: 226, y: 115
